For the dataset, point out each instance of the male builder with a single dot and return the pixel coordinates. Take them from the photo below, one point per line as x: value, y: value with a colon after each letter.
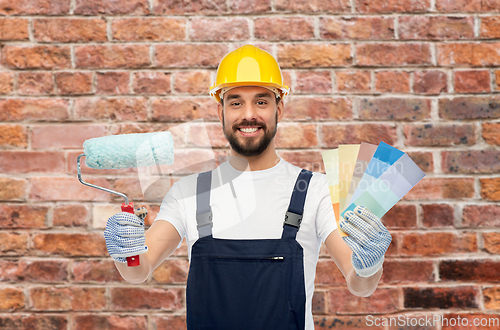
x: 255, y: 224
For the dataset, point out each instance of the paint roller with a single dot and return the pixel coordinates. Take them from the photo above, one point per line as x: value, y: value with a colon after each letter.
x: 126, y: 151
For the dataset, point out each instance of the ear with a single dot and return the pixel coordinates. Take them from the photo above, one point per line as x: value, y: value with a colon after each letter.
x: 280, y: 109
x: 220, y: 112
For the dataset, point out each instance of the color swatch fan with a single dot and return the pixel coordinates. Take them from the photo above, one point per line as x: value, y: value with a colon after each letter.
x: 376, y: 177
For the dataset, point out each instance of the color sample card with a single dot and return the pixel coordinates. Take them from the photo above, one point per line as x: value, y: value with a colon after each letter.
x: 366, y: 152
x: 348, y: 153
x: 389, y: 183
x: 331, y: 162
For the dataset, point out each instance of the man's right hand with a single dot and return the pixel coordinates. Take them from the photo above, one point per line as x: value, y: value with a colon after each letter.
x: 124, y: 236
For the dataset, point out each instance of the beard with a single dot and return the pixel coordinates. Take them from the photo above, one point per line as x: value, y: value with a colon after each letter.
x: 250, y: 146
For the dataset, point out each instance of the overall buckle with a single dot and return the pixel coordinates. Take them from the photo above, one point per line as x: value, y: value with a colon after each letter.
x: 204, y: 219
x: 292, y: 219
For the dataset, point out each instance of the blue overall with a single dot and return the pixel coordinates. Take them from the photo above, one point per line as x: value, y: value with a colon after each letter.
x: 247, y: 284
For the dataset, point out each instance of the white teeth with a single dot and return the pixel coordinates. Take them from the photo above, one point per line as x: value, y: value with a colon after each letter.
x: 249, y: 130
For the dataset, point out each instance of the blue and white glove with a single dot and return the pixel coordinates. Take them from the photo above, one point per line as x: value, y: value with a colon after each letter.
x: 124, y: 236
x: 368, y: 239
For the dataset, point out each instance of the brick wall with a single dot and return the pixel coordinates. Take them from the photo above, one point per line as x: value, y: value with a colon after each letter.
x: 422, y: 75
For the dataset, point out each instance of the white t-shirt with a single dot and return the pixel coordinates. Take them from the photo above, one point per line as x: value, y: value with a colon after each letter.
x: 252, y: 205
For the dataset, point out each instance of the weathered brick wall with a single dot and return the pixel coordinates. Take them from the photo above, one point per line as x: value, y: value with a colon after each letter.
x: 422, y: 75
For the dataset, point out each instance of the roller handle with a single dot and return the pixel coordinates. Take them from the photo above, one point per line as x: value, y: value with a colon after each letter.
x: 134, y: 260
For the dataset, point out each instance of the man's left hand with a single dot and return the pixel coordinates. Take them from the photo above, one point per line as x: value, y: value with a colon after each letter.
x: 368, y: 239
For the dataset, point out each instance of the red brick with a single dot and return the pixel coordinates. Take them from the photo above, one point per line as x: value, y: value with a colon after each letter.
x: 6, y: 82
x: 466, y: 5
x: 438, y: 215
x: 171, y: 322
x: 202, y: 7
x: 112, y: 108
x: 442, y: 188
x: 317, y: 108
x: 9, y: 271
x: 472, y: 81
x: 219, y: 29
x: 254, y: 7
x: 385, y: 54
x: 180, y: 109
x: 190, y: 55
x: 148, y: 29
x: 433, y: 244
x: 313, y: 82
x: 146, y: 298
x: 401, y: 216
x: 392, y: 82
x: 407, y: 271
x: 64, y: 136
x: 67, y: 189
x: 37, y: 83
x: 35, y: 7
x: 13, y: 29
x: 394, y: 109
x: 13, y: 189
x: 34, y: 321
x: 67, y: 298
x: 37, y: 57
x: 469, y: 108
x: 490, y: 189
x: 112, y: 83
x: 358, y: 28
x: 491, y: 242
x: 70, y: 30
x: 319, y: 301
x: 65, y: 244
x: 11, y: 298
x: 284, y: 28
x: 12, y: 243
x: 430, y: 82
x: 74, y: 83
x: 481, y: 216
x: 439, y: 135
x: 443, y: 298
x: 436, y: 27
x: 309, y: 160
x: 34, y: 109
x: 172, y: 271
x: 32, y: 270
x: 110, y: 7
x: 490, y: 27
x: 313, y: 6
x: 31, y: 162
x: 383, y: 300
x: 335, y: 134
x: 292, y: 135
x: 109, y: 322
x: 310, y: 55
x: 192, y: 82
x: 13, y: 136
x: 491, y: 133
x: 327, y: 273
x: 70, y: 215
x: 353, y: 81
x: 95, y: 271
x: 23, y: 216
x: 497, y: 80
x: 387, y: 6
x: 468, y: 54
x: 469, y: 270
x: 112, y: 56
x: 325, y: 322
x: 473, y: 161
x: 492, y: 298
x: 423, y: 160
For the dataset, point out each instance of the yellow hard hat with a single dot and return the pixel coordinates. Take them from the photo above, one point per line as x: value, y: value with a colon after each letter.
x: 249, y: 66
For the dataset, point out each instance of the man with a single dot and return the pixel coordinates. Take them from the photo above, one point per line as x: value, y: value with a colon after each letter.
x: 255, y: 224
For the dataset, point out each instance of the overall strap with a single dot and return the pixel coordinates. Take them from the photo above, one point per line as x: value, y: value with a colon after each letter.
x: 203, y: 209
x: 293, y: 216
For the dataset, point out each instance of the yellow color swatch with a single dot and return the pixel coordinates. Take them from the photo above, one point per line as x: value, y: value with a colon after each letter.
x: 347, y: 155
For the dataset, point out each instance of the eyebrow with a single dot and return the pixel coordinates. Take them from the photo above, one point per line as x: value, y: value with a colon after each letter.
x: 237, y: 96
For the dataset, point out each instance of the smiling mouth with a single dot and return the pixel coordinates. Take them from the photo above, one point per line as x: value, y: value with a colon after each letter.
x: 248, y: 130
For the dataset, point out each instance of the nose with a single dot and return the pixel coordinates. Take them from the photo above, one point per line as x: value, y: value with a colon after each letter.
x: 249, y: 111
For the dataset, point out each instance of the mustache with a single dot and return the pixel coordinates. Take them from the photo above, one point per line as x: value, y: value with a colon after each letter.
x: 246, y: 123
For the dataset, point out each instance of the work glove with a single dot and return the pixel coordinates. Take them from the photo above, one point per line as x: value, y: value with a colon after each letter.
x: 124, y: 236
x: 368, y: 239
